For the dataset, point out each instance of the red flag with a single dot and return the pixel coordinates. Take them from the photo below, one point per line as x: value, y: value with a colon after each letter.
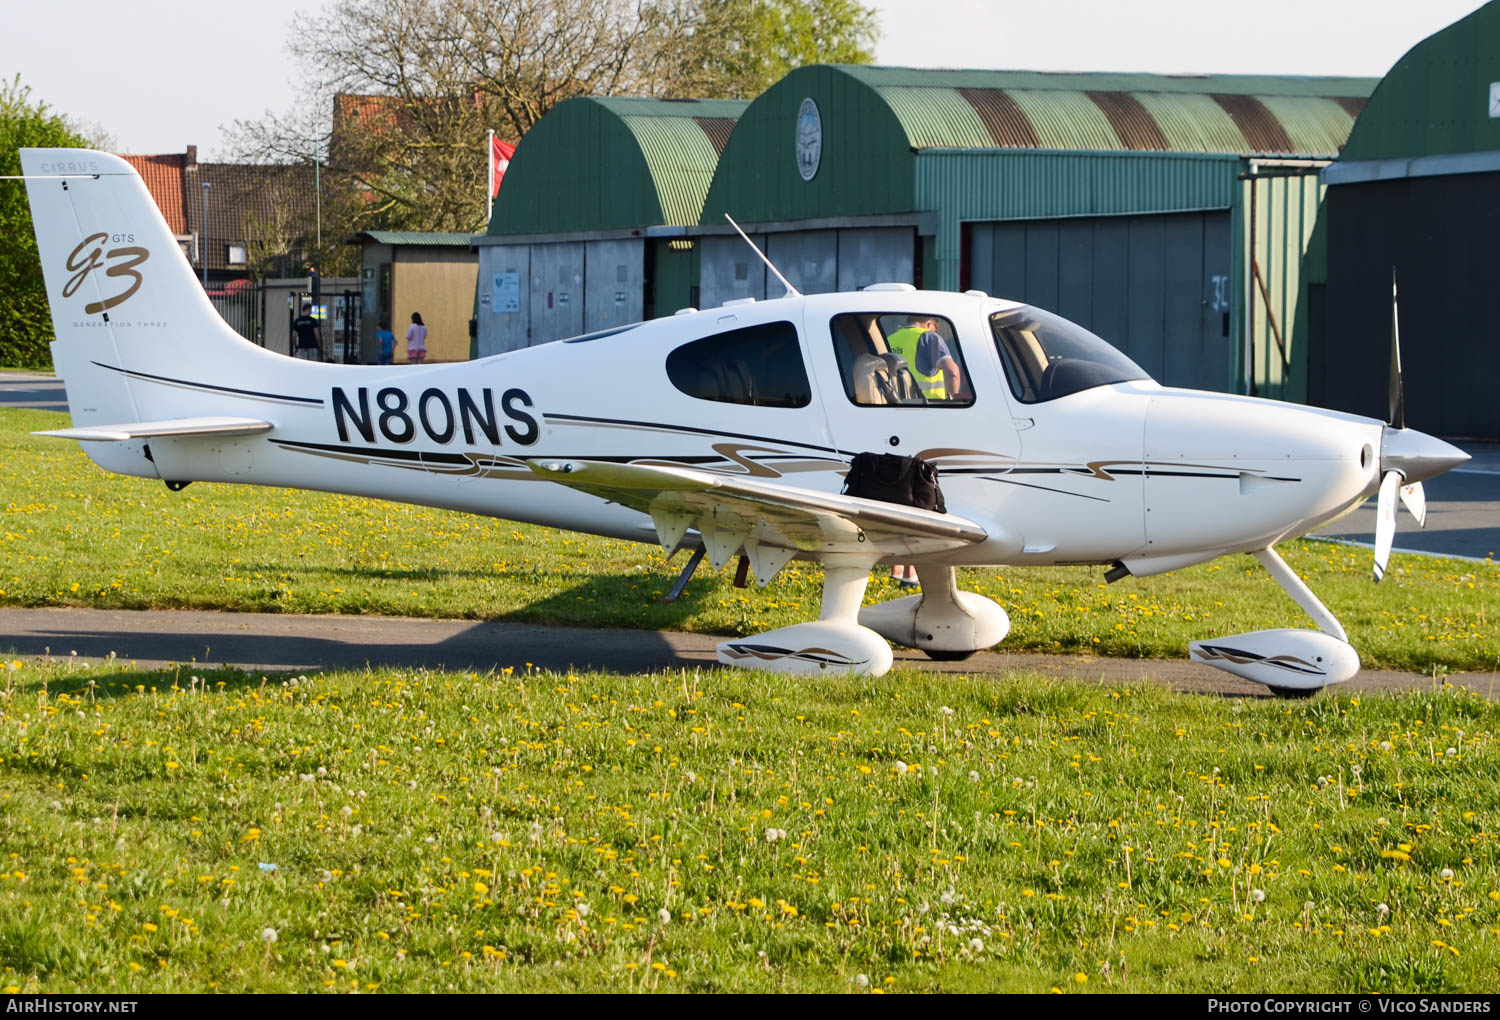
x: 500, y: 153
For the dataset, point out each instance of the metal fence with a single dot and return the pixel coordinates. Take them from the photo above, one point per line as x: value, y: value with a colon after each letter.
x: 249, y: 307
x: 244, y: 308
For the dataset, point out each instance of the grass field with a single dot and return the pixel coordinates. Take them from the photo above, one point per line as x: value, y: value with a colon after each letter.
x: 412, y: 831
x: 71, y: 534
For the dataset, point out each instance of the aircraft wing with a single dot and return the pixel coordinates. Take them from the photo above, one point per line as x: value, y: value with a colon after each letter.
x: 167, y: 427
x: 772, y: 523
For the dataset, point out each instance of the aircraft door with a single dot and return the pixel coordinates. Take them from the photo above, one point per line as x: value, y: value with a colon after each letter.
x: 908, y: 383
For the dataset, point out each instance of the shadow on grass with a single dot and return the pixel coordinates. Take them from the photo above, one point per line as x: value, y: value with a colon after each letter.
x: 621, y: 600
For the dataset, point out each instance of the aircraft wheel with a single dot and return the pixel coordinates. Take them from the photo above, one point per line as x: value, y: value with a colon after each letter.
x: 939, y: 655
x: 1294, y: 693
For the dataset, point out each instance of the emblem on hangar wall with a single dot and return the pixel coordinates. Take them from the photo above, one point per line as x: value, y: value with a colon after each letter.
x: 809, y: 148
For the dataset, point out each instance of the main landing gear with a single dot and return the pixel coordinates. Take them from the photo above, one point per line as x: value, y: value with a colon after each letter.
x: 942, y: 621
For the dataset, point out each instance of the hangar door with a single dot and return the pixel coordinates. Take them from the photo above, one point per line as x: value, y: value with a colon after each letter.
x: 532, y: 294
x: 815, y: 261
x: 1156, y: 287
x: 1438, y: 235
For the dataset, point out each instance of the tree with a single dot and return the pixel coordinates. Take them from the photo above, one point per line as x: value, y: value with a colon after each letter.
x: 414, y: 85
x: 736, y: 49
x: 25, y: 320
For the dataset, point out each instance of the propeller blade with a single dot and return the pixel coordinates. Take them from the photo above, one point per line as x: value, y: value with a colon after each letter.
x: 1396, y: 390
x: 1385, y: 521
x: 1415, y: 500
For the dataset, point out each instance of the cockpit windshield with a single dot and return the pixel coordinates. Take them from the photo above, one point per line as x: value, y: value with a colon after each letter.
x: 1047, y: 357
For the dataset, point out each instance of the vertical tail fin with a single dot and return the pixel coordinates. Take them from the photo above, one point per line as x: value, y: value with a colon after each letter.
x: 126, y: 306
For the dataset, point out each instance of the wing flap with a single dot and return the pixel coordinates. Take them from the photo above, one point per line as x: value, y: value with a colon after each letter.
x: 733, y: 512
x: 164, y: 428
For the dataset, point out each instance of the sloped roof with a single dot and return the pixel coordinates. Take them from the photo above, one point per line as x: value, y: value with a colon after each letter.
x: 249, y: 203
x: 1232, y: 114
x: 163, y: 177
x: 416, y: 237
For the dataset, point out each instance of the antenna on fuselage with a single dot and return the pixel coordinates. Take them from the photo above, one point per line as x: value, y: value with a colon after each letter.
x: 791, y: 291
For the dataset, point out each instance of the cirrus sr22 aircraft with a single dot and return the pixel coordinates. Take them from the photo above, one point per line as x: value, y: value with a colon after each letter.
x: 729, y: 431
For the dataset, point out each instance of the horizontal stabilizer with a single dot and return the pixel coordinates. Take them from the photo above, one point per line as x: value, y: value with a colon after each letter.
x: 158, y: 429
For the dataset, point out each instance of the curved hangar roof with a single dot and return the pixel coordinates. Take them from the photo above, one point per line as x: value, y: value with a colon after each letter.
x: 1440, y: 98
x: 870, y: 116
x: 613, y: 163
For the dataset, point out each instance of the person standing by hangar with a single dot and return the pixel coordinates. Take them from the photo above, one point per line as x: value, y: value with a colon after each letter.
x: 309, y: 335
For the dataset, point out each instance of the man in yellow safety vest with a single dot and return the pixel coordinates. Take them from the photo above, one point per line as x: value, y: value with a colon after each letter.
x: 926, y: 353
x: 924, y: 348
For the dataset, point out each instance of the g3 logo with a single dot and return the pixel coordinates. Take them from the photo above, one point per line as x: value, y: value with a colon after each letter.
x: 90, y: 254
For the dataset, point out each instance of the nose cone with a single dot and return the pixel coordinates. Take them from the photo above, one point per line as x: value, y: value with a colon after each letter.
x: 1417, y: 455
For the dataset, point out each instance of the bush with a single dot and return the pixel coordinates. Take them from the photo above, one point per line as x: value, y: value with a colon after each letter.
x: 25, y: 319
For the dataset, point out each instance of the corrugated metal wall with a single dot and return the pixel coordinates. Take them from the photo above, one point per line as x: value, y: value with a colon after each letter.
x: 1273, y: 222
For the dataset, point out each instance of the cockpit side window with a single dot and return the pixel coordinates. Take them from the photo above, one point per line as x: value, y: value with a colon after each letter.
x: 759, y: 365
x: 1046, y: 356
x: 899, y: 359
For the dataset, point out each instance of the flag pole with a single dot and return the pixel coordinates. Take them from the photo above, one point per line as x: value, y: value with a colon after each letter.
x: 489, y: 202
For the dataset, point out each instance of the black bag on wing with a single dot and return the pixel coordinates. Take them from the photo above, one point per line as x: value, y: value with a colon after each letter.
x: 891, y: 478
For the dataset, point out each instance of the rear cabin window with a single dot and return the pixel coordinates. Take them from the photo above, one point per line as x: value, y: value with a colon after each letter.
x: 900, y: 359
x: 757, y: 365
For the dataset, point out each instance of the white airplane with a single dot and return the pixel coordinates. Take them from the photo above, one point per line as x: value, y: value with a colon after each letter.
x: 730, y: 430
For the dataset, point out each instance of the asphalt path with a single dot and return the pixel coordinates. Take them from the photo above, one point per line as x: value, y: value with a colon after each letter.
x: 1463, y: 512
x: 28, y: 389
x: 282, y: 643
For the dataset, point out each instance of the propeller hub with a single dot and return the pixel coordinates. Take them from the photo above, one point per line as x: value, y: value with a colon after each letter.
x: 1416, y: 455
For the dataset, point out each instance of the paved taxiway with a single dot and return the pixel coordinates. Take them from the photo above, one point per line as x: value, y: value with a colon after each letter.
x: 281, y: 643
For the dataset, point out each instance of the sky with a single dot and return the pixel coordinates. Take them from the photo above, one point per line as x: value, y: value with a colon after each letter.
x: 159, y: 75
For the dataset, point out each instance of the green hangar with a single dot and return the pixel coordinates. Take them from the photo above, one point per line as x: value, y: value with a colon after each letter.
x: 1416, y: 196
x: 578, y: 238
x: 1169, y: 214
